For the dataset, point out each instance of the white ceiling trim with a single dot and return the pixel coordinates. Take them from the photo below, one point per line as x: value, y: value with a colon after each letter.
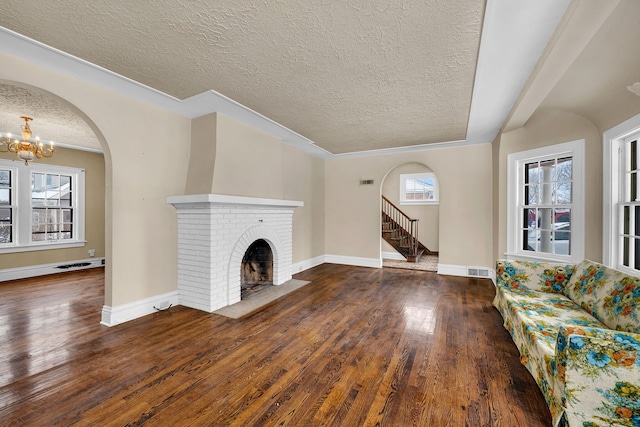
x: 207, y: 102
x: 513, y: 37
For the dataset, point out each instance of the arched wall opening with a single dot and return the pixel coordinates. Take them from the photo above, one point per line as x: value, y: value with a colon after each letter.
x: 428, y: 215
x: 77, y: 157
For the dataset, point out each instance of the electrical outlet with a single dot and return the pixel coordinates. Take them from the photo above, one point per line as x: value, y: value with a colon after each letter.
x: 92, y: 252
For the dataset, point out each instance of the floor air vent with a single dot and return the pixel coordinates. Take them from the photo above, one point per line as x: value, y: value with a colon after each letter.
x: 76, y: 265
x: 478, y: 272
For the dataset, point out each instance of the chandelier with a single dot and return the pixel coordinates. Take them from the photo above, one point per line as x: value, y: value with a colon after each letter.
x: 25, y: 149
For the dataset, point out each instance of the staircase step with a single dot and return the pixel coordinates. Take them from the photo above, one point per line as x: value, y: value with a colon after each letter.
x: 415, y: 258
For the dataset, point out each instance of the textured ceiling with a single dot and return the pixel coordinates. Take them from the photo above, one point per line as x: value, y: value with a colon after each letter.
x: 53, y: 119
x: 350, y: 75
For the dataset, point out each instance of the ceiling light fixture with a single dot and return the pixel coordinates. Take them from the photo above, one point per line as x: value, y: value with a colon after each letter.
x: 25, y: 149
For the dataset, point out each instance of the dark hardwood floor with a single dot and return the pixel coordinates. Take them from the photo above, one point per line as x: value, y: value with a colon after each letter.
x: 356, y: 347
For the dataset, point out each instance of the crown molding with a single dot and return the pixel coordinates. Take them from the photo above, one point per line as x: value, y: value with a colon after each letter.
x: 208, y: 102
x: 514, y: 34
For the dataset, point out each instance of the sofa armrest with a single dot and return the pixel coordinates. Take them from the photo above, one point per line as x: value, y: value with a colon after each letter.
x: 539, y: 276
x: 600, y: 369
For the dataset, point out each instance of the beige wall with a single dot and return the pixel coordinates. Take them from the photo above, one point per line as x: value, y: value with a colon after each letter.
x: 248, y: 161
x: 251, y: 163
x: 548, y: 127
x: 427, y: 215
x: 93, y: 164
x: 203, y: 154
x: 303, y: 179
x: 465, y: 226
x: 146, y: 159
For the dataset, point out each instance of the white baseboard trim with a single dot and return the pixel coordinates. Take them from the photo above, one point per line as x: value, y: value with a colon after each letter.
x: 393, y: 255
x: 307, y: 264
x: 354, y: 260
x: 44, y: 269
x: 452, y: 270
x: 112, y: 316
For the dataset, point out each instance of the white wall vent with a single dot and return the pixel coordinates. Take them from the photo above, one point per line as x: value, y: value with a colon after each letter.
x: 478, y: 272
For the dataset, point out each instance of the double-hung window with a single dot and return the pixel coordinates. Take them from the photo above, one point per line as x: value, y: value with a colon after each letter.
x: 621, y: 196
x: 41, y: 207
x: 545, y: 213
x: 419, y: 189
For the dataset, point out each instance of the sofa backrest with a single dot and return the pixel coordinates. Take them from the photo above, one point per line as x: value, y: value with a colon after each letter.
x: 539, y: 276
x: 611, y: 296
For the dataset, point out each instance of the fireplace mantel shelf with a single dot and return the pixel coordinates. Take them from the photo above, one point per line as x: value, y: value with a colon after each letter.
x: 223, y: 199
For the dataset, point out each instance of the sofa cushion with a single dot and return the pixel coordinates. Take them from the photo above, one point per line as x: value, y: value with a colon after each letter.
x: 540, y: 276
x: 583, y: 286
x: 620, y: 305
x: 613, y: 297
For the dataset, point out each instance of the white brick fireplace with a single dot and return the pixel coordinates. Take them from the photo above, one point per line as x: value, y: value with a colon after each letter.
x: 214, y: 232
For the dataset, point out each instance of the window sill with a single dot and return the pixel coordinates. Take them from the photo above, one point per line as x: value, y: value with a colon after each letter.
x: 542, y: 258
x: 420, y: 203
x: 42, y: 247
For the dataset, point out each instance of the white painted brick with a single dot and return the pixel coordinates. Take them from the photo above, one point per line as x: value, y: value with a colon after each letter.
x: 212, y: 241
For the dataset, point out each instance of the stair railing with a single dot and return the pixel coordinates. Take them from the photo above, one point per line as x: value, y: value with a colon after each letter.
x: 408, y: 227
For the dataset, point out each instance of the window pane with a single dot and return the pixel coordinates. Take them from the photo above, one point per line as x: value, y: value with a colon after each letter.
x: 531, y: 194
x: 38, y: 237
x: 548, y: 168
x: 38, y: 182
x: 414, y: 187
x: 564, y: 193
x: 6, y: 233
x: 5, y: 214
x: 625, y: 220
x: 38, y: 220
x: 531, y: 173
x: 5, y: 196
x: 530, y: 218
x: 5, y: 178
x: 565, y: 169
x: 562, y: 217
x: 625, y: 251
x: 529, y: 240
x: 65, y: 198
x: 65, y: 182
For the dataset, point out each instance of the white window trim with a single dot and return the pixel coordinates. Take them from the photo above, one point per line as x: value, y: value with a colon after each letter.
x: 22, y: 228
x: 405, y: 176
x: 515, y: 163
x: 611, y: 168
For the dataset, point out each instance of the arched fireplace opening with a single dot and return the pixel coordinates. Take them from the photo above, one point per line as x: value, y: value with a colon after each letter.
x: 256, y: 270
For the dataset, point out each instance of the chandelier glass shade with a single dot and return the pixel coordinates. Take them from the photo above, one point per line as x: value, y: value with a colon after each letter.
x: 26, y: 149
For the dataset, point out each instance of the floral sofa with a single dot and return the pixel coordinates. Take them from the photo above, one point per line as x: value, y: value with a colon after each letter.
x: 577, y: 328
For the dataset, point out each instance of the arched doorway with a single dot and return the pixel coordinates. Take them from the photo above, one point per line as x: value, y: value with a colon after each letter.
x: 413, y: 189
x: 82, y: 146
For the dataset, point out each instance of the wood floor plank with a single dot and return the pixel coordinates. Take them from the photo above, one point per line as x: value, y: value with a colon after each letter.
x: 355, y: 347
